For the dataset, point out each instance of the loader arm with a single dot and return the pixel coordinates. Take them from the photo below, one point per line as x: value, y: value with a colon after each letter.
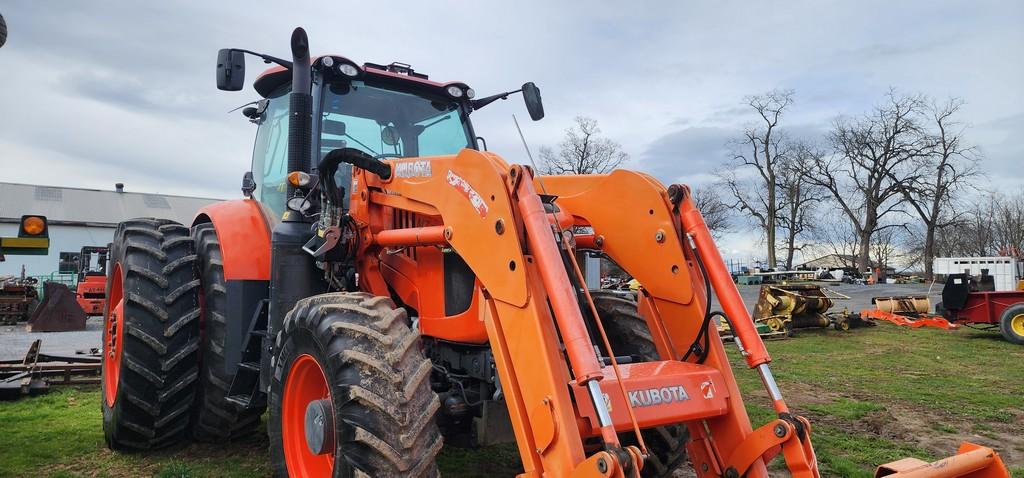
x: 492, y: 215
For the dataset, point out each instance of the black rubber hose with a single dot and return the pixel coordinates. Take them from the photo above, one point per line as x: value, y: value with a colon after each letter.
x: 358, y: 159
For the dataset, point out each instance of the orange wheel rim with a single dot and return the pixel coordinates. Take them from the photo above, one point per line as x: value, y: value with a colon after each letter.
x: 113, y: 338
x: 306, y: 382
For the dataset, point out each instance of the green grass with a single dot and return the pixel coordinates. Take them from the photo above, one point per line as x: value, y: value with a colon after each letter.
x: 961, y: 383
x: 851, y: 385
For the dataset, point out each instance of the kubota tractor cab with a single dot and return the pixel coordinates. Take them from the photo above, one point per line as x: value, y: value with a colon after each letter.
x: 92, y: 279
x: 385, y: 282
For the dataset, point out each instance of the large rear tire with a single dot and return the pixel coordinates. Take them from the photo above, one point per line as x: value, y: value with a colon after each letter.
x: 216, y: 419
x: 355, y: 356
x: 629, y: 335
x: 151, y: 335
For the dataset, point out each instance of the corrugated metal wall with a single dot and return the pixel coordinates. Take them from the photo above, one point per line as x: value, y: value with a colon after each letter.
x: 62, y: 239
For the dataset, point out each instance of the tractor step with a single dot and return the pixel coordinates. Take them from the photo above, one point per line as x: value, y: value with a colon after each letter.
x: 660, y: 393
x: 245, y: 391
x: 255, y: 367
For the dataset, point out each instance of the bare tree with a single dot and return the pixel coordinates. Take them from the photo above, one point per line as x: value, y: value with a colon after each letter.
x: 797, y: 196
x: 946, y: 170
x: 873, y: 158
x: 835, y: 235
x: 1008, y: 227
x: 583, y: 151
x: 715, y: 211
x: 974, y: 233
x: 761, y: 148
x: 888, y: 246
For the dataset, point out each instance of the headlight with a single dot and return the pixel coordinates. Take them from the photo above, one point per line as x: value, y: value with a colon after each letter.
x: 299, y: 204
x: 327, y: 61
x: 455, y: 91
x: 470, y: 93
x: 348, y: 70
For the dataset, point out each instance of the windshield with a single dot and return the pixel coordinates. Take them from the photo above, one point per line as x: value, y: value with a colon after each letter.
x: 389, y: 123
x: 378, y: 121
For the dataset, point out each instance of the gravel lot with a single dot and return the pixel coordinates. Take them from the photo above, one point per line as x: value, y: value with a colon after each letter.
x: 14, y: 340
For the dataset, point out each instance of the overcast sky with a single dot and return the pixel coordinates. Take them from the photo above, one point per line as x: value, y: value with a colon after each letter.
x: 98, y: 92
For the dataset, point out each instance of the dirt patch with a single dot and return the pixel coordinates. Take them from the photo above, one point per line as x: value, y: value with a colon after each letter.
x: 935, y: 431
x: 941, y: 433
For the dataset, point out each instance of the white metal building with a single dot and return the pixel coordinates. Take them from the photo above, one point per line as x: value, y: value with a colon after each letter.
x: 1004, y: 270
x: 80, y: 217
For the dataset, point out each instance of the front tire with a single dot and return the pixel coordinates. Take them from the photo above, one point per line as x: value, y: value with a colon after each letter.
x: 151, y: 336
x: 629, y: 335
x: 354, y: 355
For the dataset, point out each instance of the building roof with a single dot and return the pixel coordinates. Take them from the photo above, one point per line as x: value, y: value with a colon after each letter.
x: 93, y: 207
x: 835, y: 260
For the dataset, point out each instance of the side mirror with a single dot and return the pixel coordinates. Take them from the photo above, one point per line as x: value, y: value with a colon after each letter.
x: 230, y: 70
x: 534, y: 104
x: 248, y: 184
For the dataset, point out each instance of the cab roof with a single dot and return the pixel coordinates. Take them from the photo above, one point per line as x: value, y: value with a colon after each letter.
x: 277, y: 76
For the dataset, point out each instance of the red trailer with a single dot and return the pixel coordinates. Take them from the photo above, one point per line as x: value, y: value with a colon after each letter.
x: 962, y: 303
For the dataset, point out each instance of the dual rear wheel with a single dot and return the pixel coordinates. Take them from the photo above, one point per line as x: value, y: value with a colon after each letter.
x: 163, y: 369
x: 150, y: 336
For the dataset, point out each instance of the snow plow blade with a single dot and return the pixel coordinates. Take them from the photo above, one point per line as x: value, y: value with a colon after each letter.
x: 970, y: 461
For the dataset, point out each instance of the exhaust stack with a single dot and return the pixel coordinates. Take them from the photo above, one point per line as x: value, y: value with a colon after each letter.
x: 300, y: 124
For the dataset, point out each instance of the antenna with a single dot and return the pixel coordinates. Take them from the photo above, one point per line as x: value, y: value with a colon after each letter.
x: 529, y: 155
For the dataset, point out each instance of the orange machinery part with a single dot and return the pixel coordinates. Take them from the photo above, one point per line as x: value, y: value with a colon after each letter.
x: 244, y: 234
x: 89, y: 294
x: 568, y: 315
x: 971, y: 461
x: 906, y: 321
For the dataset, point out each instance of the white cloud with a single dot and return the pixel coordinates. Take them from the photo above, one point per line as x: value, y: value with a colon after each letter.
x: 94, y: 92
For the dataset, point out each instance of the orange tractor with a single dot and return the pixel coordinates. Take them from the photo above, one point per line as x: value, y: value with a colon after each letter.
x: 92, y: 279
x: 386, y: 283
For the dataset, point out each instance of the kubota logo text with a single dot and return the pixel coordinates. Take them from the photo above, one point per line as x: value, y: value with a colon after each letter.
x: 657, y: 396
x: 413, y: 169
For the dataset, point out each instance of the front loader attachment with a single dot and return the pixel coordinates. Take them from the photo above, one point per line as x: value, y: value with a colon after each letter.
x: 58, y: 312
x: 970, y: 461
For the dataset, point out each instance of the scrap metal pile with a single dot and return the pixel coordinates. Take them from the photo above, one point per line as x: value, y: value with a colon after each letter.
x: 33, y: 374
x: 18, y: 299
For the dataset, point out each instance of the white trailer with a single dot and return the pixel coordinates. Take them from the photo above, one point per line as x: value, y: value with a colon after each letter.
x: 1005, y: 270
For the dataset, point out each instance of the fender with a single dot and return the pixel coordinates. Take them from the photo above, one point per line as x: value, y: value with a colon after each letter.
x: 243, y: 229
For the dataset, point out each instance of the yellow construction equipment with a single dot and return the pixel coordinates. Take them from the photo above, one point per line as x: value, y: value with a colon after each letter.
x: 797, y: 306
